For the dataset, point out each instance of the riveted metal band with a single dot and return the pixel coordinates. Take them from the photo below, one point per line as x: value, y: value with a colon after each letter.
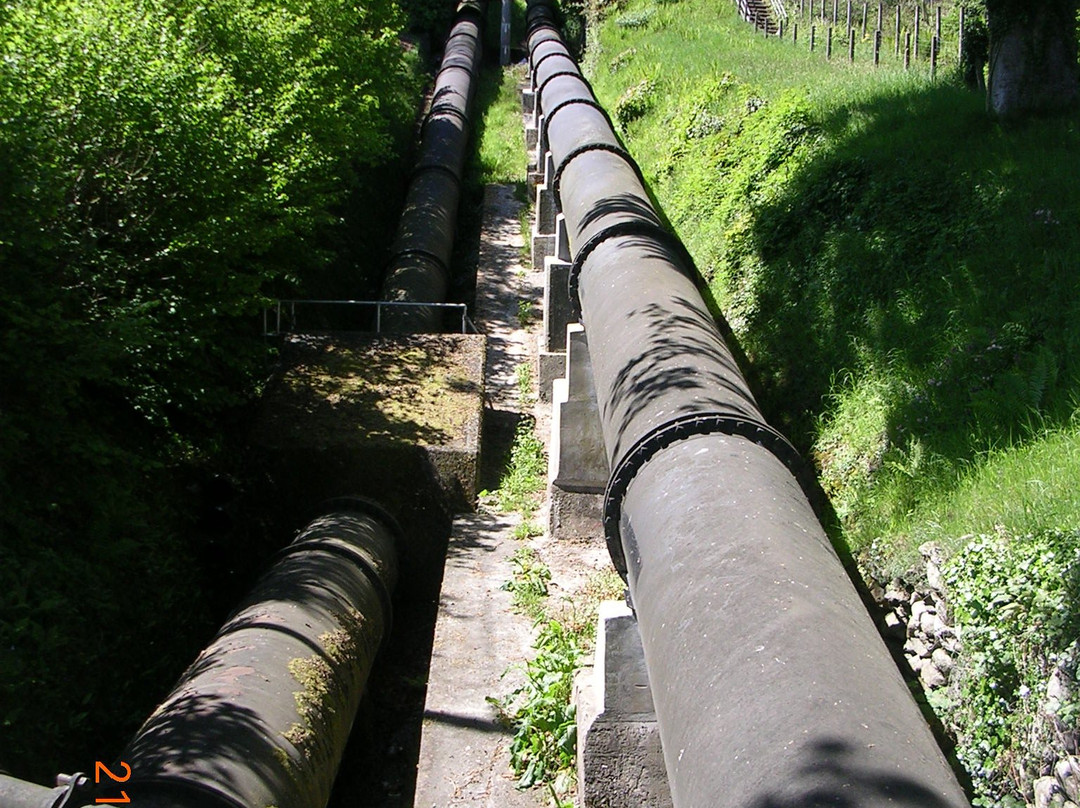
x: 665, y: 435
x: 589, y: 147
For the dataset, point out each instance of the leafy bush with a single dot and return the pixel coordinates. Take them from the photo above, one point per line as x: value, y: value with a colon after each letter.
x: 164, y: 166
x: 529, y: 584
x: 520, y: 487
x: 635, y: 102
x: 1017, y: 604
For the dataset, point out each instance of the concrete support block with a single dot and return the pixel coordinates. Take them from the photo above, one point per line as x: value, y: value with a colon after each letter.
x: 578, y: 461
x: 532, y: 137
x: 579, y: 372
x: 545, y: 210
x: 549, y: 170
x: 620, y: 760
x: 528, y: 100
x: 543, y: 246
x: 536, y: 158
x: 557, y: 314
x: 562, y: 239
x: 551, y: 366
x: 573, y: 516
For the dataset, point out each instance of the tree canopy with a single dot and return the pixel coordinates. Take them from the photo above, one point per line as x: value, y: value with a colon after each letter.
x: 165, y: 165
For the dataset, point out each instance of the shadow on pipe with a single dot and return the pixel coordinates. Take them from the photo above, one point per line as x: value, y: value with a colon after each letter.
x: 261, y: 718
x: 419, y: 267
x: 771, y: 684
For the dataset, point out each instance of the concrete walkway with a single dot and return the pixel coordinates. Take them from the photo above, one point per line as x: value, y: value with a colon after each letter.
x: 464, y: 749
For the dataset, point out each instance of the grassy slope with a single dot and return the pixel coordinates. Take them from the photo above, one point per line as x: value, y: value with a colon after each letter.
x: 900, y: 271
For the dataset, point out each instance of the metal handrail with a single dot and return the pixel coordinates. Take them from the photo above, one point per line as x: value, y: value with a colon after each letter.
x: 467, y: 325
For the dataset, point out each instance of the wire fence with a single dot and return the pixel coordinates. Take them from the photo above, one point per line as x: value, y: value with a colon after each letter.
x: 908, y: 33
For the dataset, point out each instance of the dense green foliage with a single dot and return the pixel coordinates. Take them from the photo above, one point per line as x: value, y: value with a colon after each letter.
x: 164, y: 166
x: 1016, y: 602
x: 900, y: 271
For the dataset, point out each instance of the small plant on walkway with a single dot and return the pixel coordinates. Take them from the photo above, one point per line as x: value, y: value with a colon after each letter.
x: 523, y: 378
x: 543, y: 715
x: 523, y: 481
x: 529, y: 584
x: 524, y: 313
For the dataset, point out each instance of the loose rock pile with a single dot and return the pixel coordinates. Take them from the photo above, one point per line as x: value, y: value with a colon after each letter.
x: 917, y: 619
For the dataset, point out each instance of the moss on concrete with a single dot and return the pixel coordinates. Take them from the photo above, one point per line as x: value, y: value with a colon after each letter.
x: 353, y: 390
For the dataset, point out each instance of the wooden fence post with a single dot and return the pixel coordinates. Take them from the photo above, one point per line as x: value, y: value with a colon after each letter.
x: 828, y: 45
x: 907, y: 51
x: 918, y: 20
x: 897, y: 38
x: 877, y: 47
x: 851, y: 45
x: 813, y: 36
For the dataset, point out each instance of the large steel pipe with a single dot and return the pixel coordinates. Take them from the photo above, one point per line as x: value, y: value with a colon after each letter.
x: 419, y: 266
x: 262, y: 716
x: 771, y: 685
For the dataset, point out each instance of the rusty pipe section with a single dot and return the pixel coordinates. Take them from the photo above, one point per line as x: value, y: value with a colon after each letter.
x: 771, y: 684
x: 419, y: 266
x: 261, y: 718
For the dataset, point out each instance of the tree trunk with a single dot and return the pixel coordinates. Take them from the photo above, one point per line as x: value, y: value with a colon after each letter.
x: 1033, y: 66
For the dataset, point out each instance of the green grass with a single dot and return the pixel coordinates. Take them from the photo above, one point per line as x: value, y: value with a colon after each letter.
x: 901, y: 272
x: 529, y: 584
x: 500, y: 152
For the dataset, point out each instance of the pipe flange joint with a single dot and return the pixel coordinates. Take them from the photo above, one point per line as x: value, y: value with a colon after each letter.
x: 563, y: 52
x: 445, y: 109
x: 663, y: 436
x: 423, y: 167
x: 420, y: 251
x: 473, y: 70
x: 556, y: 182
x: 569, y: 102
x: 638, y: 227
x: 559, y: 74
x: 470, y: 11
